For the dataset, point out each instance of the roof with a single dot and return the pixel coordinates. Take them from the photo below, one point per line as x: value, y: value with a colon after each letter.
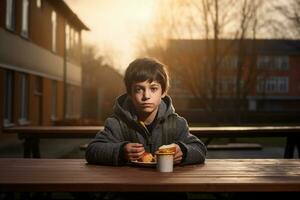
x: 66, y: 11
x: 263, y: 46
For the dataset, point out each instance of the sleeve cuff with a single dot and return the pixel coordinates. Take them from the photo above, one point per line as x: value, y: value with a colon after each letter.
x: 183, y: 149
x: 122, y: 158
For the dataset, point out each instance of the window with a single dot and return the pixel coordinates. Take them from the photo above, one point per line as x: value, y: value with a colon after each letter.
x: 71, y: 37
x: 228, y: 86
x: 67, y: 33
x: 8, y: 98
x: 10, y: 15
x: 53, y: 100
x: 273, y: 62
x: 24, y: 30
x: 281, y: 62
x: 76, y: 38
x: 54, y: 26
x: 39, y: 3
x: 229, y: 62
x: 23, y: 99
x: 273, y: 84
x: 263, y: 62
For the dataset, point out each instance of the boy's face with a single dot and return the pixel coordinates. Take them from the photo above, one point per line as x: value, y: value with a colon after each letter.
x: 146, y: 96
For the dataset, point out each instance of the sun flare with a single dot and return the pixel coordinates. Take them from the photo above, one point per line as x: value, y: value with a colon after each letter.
x: 115, y: 25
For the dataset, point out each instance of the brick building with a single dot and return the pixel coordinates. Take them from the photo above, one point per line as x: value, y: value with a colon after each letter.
x: 270, y: 73
x: 40, y: 72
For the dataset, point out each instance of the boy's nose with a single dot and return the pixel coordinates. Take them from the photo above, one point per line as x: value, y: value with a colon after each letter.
x: 146, y: 95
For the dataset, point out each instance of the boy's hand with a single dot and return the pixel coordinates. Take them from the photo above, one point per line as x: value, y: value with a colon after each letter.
x: 133, y: 151
x: 178, y: 155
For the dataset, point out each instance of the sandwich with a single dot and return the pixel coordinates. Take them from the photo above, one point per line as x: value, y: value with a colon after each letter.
x: 168, y: 149
x: 147, y: 157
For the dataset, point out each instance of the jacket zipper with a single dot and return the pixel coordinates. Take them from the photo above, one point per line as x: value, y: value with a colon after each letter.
x: 148, y: 138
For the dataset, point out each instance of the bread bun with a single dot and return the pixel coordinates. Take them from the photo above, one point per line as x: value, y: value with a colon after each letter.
x: 146, y: 157
x: 171, y: 148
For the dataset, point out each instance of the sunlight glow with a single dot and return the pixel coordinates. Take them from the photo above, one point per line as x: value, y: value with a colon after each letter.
x: 115, y: 25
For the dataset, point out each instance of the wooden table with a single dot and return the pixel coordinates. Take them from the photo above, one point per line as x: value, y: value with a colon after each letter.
x: 216, y: 175
x: 32, y: 134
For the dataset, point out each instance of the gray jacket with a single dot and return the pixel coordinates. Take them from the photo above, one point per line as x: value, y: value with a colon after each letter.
x: 108, y: 144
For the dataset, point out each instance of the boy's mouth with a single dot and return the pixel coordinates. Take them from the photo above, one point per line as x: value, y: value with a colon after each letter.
x: 146, y: 105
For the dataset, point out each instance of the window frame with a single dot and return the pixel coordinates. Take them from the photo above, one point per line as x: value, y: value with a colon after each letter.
x: 273, y: 62
x: 24, y: 99
x: 273, y: 84
x: 8, y: 98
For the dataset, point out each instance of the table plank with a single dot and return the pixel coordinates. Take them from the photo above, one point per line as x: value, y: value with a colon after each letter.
x: 216, y: 175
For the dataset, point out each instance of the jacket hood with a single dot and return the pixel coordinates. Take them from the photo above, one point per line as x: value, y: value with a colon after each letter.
x: 124, y: 109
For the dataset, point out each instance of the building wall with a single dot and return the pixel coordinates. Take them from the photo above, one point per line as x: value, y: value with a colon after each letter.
x: 98, y: 96
x: 46, y: 117
x: 1, y: 94
x: 191, y: 57
x: 34, y: 102
x: 41, y: 27
x: 294, y: 73
x: 33, y: 56
x: 40, y: 24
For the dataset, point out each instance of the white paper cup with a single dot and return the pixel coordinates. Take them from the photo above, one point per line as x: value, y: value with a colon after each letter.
x: 164, y: 162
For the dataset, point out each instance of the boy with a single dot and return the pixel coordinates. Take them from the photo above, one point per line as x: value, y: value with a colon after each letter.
x: 139, y: 118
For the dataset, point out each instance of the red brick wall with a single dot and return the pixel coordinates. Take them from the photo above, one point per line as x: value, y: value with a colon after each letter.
x: 294, y: 74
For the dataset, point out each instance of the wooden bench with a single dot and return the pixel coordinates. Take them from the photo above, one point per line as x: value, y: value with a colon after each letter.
x: 32, y: 134
x: 216, y: 175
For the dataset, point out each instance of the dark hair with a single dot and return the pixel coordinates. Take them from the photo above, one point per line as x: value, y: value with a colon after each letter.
x: 143, y: 69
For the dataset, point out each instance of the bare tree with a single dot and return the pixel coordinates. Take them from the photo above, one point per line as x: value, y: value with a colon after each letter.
x: 290, y: 11
x: 98, y: 95
x: 200, y: 68
x: 200, y: 72
x: 246, y: 51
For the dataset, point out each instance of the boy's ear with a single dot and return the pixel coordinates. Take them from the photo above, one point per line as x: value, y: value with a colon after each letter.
x: 164, y: 94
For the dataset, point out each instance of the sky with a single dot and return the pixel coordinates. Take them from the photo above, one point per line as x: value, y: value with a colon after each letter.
x: 115, y: 26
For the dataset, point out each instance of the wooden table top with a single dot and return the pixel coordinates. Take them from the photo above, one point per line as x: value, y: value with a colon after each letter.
x: 224, y: 131
x: 216, y: 175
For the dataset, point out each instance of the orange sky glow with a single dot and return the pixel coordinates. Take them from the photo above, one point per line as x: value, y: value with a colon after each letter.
x: 115, y: 26
x: 119, y: 27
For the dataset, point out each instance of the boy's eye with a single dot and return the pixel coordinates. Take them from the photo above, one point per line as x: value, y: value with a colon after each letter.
x: 138, y: 90
x: 154, y: 89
